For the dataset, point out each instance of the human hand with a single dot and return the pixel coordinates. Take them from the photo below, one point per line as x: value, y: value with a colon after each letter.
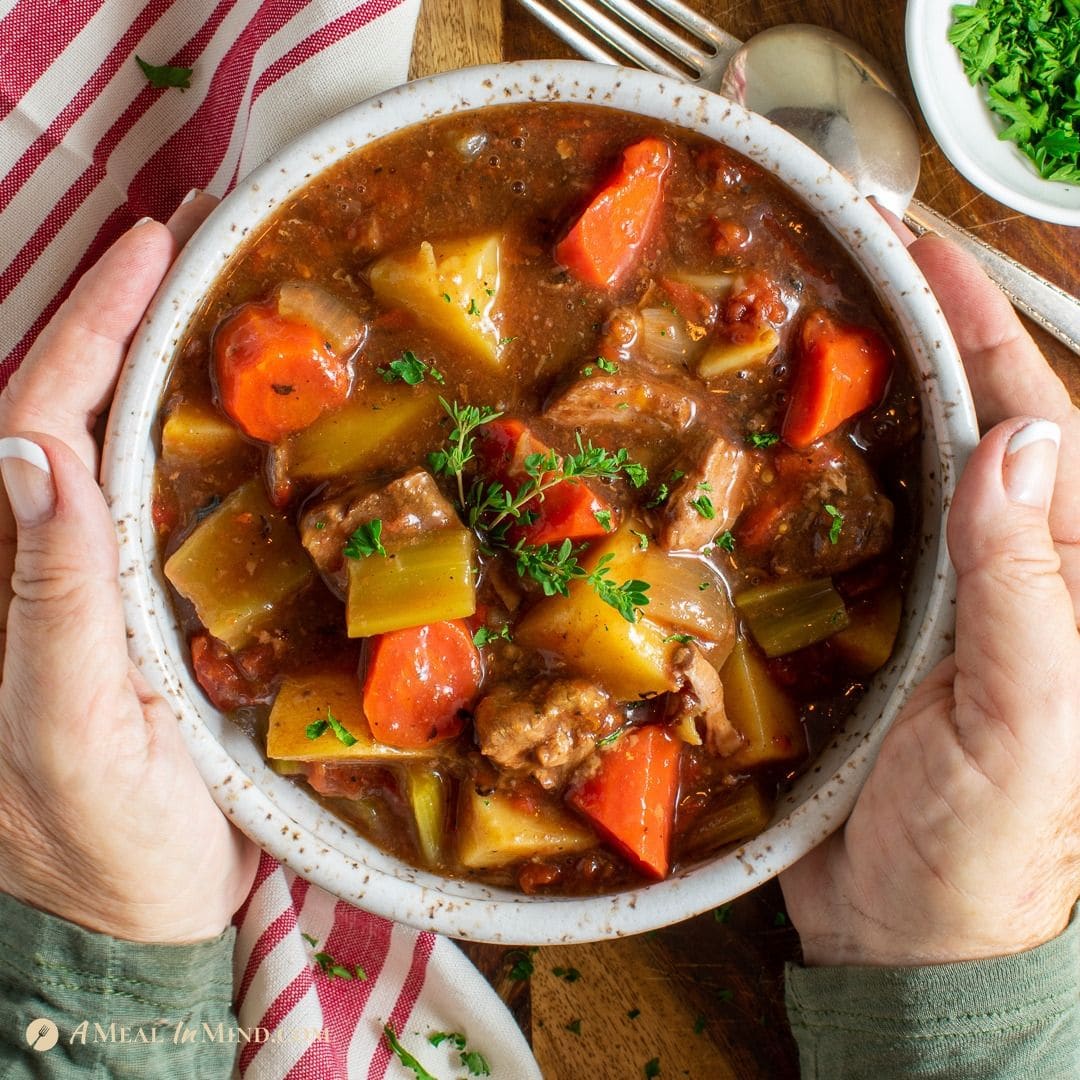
x: 964, y: 842
x: 104, y: 819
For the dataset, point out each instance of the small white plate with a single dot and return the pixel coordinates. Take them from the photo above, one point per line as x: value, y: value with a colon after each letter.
x: 967, y: 130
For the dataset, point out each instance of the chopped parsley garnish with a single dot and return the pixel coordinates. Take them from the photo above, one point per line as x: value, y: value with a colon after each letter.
x: 330, y: 967
x: 837, y: 522
x: 366, y: 540
x: 472, y: 1060
x: 722, y: 914
x: 410, y: 369
x: 652, y: 1068
x: 1026, y: 55
x: 574, y: 1027
x: 703, y: 505
x: 507, y: 340
x: 523, y: 965
x: 405, y: 1057
x: 446, y: 297
x: 603, y: 519
x: 163, y: 76
x: 703, y: 586
x: 636, y: 473
x: 607, y: 365
x: 642, y: 540
x: 612, y: 736
x: 472, y: 309
x: 761, y: 440
x: 570, y: 974
x: 683, y: 639
x: 315, y: 729
x: 587, y: 371
x: 725, y: 540
x: 320, y: 525
x: 484, y: 636
x: 660, y: 497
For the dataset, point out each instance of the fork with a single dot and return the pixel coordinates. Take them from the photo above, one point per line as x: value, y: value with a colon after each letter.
x: 638, y: 36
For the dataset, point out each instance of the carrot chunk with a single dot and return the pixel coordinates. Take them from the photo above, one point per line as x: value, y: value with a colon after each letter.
x: 630, y: 797
x: 604, y: 243
x: 565, y: 511
x: 275, y: 376
x: 418, y: 682
x: 842, y: 370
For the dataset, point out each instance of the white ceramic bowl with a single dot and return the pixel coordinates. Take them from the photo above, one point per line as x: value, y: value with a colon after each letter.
x: 277, y: 813
x: 965, y: 128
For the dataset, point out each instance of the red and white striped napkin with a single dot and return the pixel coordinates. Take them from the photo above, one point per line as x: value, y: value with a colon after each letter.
x: 87, y: 147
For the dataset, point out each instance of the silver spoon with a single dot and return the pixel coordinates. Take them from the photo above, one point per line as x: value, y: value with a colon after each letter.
x: 828, y: 92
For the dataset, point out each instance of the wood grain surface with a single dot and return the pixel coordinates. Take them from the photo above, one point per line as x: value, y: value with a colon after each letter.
x: 709, y: 991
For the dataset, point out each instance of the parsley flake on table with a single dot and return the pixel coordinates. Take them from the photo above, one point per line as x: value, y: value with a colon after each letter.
x: 523, y: 965
x: 699, y: 1024
x: 837, y: 522
x: 1024, y: 53
x: 410, y: 369
x: 633, y: 1014
x: 334, y: 970
x: 366, y: 540
x: 722, y: 914
x: 652, y: 1068
x: 574, y: 1027
x: 163, y: 76
x: 405, y: 1057
x: 570, y: 974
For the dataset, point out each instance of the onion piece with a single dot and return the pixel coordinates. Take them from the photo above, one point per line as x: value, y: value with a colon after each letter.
x: 665, y: 337
x: 714, y: 286
x: 303, y: 301
x: 677, y: 602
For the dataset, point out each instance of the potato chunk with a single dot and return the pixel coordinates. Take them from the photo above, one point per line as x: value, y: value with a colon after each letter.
x: 239, y: 565
x: 309, y: 697
x: 198, y: 434
x: 452, y: 288
x: 498, y: 828
x: 631, y: 660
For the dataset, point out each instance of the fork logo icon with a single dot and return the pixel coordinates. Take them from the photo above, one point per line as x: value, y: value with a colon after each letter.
x: 42, y: 1035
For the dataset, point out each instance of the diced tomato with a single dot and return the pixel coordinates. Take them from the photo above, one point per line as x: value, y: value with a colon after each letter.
x: 630, y: 796
x: 602, y: 246
x: 565, y: 511
x: 841, y: 370
x: 275, y: 376
x: 419, y: 681
x: 221, y: 675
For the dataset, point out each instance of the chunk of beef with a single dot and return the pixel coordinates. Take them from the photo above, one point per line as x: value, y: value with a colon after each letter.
x: 406, y: 506
x: 543, y: 729
x: 698, y: 704
x: 624, y: 400
x: 789, y: 531
x: 717, y: 484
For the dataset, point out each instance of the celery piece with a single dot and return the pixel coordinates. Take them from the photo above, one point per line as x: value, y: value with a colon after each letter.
x: 790, y: 615
x: 427, y: 790
x: 422, y: 579
x: 723, y: 357
x: 306, y: 698
x: 631, y: 660
x: 496, y: 829
x: 760, y: 711
x: 867, y: 642
x: 195, y: 434
x: 741, y: 816
x: 240, y: 565
x: 369, y: 433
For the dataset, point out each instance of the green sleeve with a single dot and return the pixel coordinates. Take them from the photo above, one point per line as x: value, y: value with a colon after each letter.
x: 78, y: 1004
x: 1007, y: 1018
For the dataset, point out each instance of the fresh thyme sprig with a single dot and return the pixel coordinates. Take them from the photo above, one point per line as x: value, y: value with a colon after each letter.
x: 462, y: 439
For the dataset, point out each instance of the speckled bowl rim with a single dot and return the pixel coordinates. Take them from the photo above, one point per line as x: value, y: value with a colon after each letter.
x: 276, y: 813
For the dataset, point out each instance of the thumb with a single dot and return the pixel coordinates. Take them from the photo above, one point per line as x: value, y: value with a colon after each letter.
x: 65, y: 647
x: 1016, y: 638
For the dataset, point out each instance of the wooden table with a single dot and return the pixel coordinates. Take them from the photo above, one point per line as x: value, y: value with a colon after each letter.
x: 709, y: 991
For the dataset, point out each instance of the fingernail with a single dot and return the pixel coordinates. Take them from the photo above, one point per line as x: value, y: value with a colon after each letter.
x: 28, y: 480
x: 141, y: 221
x: 191, y: 196
x: 1031, y: 463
